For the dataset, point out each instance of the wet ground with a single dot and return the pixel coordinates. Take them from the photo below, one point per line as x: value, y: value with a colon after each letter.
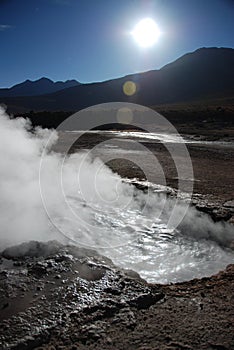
x: 62, y: 297
x: 212, y: 164
x: 69, y: 298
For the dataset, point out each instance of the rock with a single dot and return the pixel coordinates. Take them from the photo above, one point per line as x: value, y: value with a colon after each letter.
x: 32, y: 249
x: 132, y: 274
x: 144, y: 301
x: 63, y: 257
x: 38, y: 269
x: 229, y: 204
x: 113, y: 290
x: 220, y: 214
x: 126, y: 317
x: 93, y: 331
x: 40, y: 286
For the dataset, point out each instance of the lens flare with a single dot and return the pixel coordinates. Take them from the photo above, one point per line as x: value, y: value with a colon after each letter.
x: 129, y: 88
x: 124, y: 115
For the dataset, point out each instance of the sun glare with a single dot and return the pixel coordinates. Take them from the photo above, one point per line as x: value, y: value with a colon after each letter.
x: 146, y: 32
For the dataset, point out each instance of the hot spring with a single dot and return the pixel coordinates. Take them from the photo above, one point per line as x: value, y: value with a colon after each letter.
x: 137, y: 241
x: 80, y: 200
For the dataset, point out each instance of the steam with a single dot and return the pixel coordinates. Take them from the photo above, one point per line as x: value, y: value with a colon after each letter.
x: 93, y: 208
x: 22, y: 216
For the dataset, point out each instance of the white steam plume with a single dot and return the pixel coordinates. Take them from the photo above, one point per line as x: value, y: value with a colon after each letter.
x: 98, y: 210
x: 23, y: 216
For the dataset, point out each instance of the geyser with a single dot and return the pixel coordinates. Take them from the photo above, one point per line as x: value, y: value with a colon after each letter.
x: 97, y: 209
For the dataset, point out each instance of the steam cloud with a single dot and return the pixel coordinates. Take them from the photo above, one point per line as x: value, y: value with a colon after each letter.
x: 102, y: 220
x: 23, y: 216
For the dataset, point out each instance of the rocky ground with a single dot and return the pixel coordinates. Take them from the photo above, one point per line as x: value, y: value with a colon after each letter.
x: 57, y: 297
x: 62, y: 297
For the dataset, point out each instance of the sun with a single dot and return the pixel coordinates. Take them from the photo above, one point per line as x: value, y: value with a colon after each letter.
x: 146, y: 32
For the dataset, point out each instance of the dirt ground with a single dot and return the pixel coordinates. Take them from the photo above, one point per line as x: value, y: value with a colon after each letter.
x: 61, y: 297
x: 212, y: 164
x: 193, y: 315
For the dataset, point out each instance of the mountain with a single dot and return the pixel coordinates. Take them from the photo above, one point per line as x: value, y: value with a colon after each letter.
x: 206, y: 73
x: 38, y: 87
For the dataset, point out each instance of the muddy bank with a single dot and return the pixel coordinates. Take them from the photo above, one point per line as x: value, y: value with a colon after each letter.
x: 70, y: 298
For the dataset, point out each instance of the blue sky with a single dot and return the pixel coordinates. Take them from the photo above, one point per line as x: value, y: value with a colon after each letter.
x: 89, y: 40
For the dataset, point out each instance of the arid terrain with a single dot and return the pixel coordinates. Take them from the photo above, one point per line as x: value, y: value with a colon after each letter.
x: 62, y: 297
x: 116, y: 175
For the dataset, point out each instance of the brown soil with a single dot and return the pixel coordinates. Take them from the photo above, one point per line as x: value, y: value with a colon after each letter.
x: 213, y: 168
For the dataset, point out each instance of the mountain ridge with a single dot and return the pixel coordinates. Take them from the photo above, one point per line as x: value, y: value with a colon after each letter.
x: 204, y: 73
x: 40, y: 86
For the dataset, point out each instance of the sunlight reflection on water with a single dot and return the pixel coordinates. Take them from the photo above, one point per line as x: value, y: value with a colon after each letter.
x: 145, y: 245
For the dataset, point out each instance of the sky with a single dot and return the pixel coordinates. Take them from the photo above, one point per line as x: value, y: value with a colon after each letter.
x: 90, y: 40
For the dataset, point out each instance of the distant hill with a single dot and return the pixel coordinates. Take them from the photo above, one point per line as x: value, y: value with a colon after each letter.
x: 38, y: 87
x: 206, y: 73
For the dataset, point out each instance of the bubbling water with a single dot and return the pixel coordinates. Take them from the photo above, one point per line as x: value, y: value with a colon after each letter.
x: 162, y: 257
x: 142, y: 242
